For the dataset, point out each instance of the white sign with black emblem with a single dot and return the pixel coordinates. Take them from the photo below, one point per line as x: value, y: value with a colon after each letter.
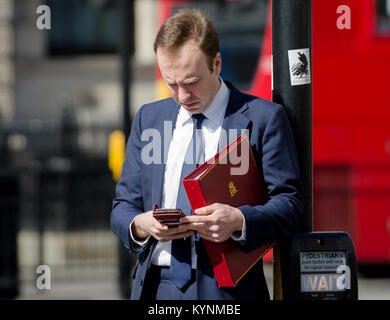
x: 299, y: 64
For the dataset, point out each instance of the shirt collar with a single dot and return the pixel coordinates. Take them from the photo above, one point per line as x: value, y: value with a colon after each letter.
x: 216, y: 111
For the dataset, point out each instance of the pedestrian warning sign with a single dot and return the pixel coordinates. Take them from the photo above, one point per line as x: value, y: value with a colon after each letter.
x: 320, y: 271
x: 322, y: 261
x: 322, y: 266
x: 322, y: 282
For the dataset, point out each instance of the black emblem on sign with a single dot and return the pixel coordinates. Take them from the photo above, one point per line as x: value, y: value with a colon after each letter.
x: 300, y: 68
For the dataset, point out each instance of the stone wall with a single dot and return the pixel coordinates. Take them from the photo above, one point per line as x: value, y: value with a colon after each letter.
x: 7, y: 77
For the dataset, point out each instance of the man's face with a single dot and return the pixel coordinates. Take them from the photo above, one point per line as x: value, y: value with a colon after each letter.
x: 188, y: 77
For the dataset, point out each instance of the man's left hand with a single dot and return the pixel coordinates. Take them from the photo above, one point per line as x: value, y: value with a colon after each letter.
x: 216, y: 222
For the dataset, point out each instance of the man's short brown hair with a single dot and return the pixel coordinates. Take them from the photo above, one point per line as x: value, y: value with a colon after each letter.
x: 185, y: 25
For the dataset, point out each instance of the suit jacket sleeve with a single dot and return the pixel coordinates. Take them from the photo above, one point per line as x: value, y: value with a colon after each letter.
x: 128, y: 201
x: 281, y: 215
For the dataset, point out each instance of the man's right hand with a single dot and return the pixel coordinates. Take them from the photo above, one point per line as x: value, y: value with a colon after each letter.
x: 145, y: 224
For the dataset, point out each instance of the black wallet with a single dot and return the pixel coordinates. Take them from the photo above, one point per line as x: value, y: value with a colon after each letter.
x: 169, y: 217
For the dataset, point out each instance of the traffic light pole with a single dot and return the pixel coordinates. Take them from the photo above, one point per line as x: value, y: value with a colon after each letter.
x: 292, y: 88
x: 126, y: 262
x: 126, y: 8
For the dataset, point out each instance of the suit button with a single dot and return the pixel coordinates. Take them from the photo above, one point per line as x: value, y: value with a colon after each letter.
x: 141, y: 282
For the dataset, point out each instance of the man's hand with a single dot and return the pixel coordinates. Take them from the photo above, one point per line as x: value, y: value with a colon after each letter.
x: 145, y: 224
x: 216, y: 222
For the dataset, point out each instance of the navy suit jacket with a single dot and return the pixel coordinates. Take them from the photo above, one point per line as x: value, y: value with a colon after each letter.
x: 272, y: 142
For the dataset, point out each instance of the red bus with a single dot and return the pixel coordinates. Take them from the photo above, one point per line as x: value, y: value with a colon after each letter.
x: 351, y: 105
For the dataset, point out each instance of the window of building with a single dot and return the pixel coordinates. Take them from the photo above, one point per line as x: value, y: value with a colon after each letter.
x: 84, y: 27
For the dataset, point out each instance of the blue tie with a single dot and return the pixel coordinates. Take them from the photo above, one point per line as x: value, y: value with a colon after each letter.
x: 181, y: 248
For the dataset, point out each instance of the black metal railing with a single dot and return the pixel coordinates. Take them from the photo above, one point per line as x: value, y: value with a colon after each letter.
x: 56, y: 193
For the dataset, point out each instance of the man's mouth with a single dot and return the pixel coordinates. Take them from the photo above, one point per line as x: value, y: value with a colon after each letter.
x: 189, y: 105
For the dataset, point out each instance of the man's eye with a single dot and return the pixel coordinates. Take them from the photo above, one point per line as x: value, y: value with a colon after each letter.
x: 191, y: 83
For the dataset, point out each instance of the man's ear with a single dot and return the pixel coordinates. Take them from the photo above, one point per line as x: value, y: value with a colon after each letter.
x: 217, y: 63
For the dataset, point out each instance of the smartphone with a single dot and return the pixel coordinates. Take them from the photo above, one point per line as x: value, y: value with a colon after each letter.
x: 169, y: 217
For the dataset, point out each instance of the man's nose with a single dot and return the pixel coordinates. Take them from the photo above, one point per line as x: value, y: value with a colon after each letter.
x: 183, y: 95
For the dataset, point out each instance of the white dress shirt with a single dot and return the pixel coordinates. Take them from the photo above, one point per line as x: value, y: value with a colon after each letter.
x: 182, y: 135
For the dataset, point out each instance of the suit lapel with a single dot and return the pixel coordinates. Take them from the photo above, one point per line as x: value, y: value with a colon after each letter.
x: 166, y: 137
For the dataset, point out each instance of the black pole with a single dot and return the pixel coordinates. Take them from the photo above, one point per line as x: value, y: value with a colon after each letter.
x: 126, y: 44
x: 291, y: 30
x: 292, y: 88
x: 126, y: 262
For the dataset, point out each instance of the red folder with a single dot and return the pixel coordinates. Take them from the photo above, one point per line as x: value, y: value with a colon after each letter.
x: 226, y: 179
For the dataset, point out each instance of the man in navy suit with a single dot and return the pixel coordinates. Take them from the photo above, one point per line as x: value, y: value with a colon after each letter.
x: 203, y: 108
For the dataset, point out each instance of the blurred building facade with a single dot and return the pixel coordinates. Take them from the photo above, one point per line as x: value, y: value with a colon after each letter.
x: 60, y: 98
x: 77, y: 60
x: 7, y: 104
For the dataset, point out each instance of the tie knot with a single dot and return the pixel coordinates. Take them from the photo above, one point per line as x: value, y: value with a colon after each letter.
x: 198, y: 119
